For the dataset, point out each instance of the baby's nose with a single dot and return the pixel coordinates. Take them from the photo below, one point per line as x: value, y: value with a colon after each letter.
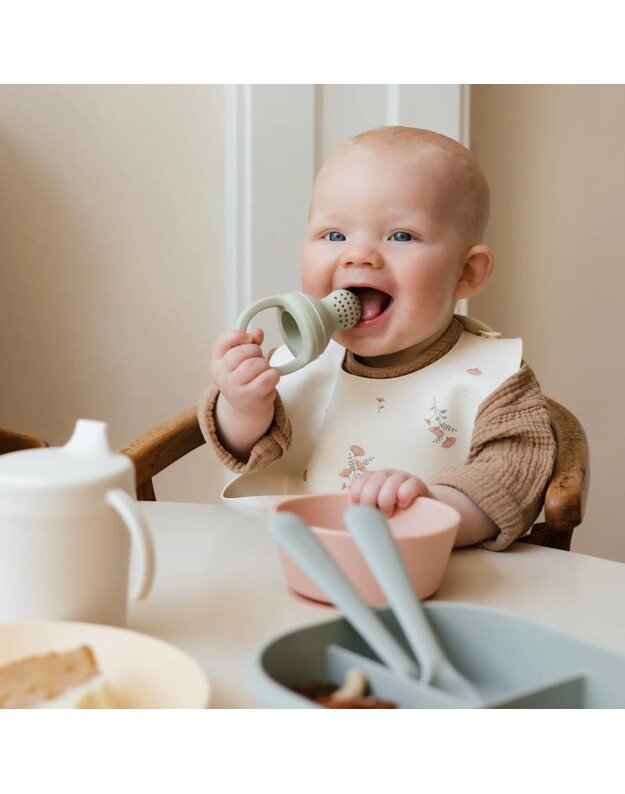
x: 362, y: 257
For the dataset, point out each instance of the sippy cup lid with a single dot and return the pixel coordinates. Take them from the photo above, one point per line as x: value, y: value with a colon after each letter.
x: 86, y: 459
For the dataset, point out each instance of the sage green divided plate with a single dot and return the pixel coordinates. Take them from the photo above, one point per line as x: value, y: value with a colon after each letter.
x: 513, y: 662
x: 142, y: 671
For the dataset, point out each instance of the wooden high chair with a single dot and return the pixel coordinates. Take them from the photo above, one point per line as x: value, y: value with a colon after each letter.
x: 565, y: 496
x: 13, y: 440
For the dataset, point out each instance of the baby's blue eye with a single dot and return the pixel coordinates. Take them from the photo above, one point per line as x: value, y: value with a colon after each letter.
x: 335, y: 237
x: 402, y: 237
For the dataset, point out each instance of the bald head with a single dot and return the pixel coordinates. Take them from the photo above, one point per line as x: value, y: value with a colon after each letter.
x: 466, y: 185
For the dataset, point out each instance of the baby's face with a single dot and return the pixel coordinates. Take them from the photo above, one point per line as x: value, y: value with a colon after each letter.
x: 385, y: 224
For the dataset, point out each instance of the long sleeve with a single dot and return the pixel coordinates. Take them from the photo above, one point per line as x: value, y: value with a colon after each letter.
x: 511, y: 458
x: 270, y: 447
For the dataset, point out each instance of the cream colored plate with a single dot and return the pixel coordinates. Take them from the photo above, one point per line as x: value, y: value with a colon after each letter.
x: 142, y: 671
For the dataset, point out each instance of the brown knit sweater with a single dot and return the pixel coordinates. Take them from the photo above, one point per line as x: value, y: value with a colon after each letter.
x: 512, y: 447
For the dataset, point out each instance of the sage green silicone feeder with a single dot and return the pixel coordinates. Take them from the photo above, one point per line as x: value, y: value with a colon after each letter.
x: 307, y: 323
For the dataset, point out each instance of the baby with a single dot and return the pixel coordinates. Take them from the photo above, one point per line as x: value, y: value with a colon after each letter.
x: 398, y: 216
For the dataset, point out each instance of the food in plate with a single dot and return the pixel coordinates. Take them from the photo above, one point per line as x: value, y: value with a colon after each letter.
x: 70, y: 680
x: 350, y: 695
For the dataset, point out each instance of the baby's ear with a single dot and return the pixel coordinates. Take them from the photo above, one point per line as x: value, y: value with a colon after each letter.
x: 476, y: 272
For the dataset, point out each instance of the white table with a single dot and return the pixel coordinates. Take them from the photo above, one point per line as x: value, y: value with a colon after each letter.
x: 219, y: 591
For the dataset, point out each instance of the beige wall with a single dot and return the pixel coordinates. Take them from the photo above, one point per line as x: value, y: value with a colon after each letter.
x: 110, y: 260
x: 555, y: 159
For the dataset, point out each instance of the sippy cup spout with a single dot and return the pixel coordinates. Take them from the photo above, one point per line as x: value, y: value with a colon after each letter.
x: 90, y: 437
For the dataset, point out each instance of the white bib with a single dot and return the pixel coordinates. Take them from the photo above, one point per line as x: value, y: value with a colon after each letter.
x: 343, y: 425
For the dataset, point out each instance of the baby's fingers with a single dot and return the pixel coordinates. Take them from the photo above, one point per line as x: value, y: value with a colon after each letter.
x: 257, y: 335
x: 248, y: 370
x: 266, y: 382
x: 371, y: 488
x: 231, y: 339
x: 357, y: 486
x: 236, y: 356
x: 388, y: 494
x: 409, y: 490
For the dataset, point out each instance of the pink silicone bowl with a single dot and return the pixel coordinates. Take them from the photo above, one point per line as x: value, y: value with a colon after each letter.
x: 424, y: 533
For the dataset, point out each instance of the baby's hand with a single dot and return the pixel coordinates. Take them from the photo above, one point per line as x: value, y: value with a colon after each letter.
x: 387, y: 489
x: 243, y: 376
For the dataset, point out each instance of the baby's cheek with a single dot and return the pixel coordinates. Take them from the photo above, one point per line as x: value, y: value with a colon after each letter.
x: 438, y: 282
x: 316, y: 277
x: 311, y: 283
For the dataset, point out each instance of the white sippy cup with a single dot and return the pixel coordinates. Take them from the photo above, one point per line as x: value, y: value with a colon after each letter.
x: 68, y: 517
x: 307, y: 323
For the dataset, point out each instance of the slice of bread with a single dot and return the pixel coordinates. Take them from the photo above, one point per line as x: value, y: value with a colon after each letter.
x: 54, y: 680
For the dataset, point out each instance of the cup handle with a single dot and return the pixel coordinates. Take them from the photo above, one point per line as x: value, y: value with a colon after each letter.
x: 141, y: 536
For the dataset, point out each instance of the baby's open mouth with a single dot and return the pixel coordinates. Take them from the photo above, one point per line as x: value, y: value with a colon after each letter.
x: 374, y: 302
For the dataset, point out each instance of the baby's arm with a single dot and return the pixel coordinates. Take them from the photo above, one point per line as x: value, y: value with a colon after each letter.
x: 389, y: 489
x: 239, y: 432
x: 500, y: 488
x: 231, y: 440
x: 475, y: 525
x: 511, y: 458
x: 244, y: 410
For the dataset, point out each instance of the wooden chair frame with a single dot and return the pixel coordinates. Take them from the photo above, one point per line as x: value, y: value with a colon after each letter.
x: 565, y: 495
x: 161, y: 446
x: 14, y: 440
x: 567, y: 492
